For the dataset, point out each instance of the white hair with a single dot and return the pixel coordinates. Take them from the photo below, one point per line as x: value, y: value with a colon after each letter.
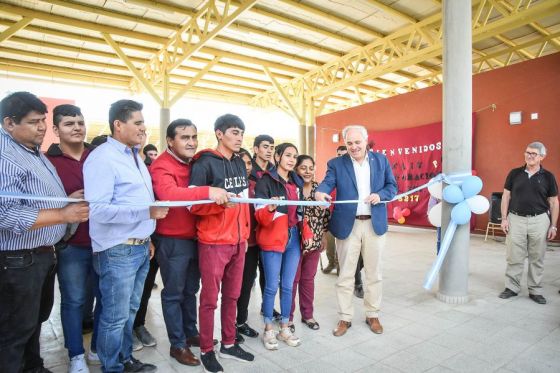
x: 539, y: 146
x: 358, y: 127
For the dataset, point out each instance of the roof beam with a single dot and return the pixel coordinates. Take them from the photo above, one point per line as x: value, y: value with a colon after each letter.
x: 390, y: 54
x: 137, y: 74
x: 10, y: 31
x: 192, y: 36
x: 283, y: 94
x: 193, y: 81
x: 92, y: 26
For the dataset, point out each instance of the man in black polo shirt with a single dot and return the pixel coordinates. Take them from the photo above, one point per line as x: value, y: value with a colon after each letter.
x: 529, y: 218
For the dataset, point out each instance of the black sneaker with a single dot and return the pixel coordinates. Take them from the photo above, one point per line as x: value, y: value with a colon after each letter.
x: 247, y: 330
x: 210, y: 363
x: 276, y: 316
x: 235, y: 352
x: 238, y: 337
x: 538, y: 298
x: 135, y: 365
x: 507, y: 293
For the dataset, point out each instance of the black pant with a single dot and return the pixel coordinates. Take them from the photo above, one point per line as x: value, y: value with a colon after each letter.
x: 358, y: 275
x: 26, y: 300
x: 249, y: 275
x: 147, y: 293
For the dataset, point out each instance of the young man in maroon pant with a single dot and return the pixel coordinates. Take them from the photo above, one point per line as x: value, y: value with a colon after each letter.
x: 175, y: 238
x: 222, y: 240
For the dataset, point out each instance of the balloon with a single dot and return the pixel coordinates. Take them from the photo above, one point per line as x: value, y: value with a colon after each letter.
x: 478, y: 204
x: 436, y: 189
x: 397, y: 213
x: 453, y: 194
x: 472, y: 185
x: 406, y: 212
x: 401, y: 220
x: 461, y: 213
x: 434, y: 215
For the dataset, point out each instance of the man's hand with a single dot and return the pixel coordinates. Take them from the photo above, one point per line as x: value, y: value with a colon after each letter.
x: 79, y: 194
x: 152, y: 249
x: 272, y: 208
x: 218, y: 195
x: 229, y: 204
x: 75, y: 212
x: 157, y: 212
x: 373, y: 199
x: 551, y: 232
x: 323, y: 197
x: 505, y: 225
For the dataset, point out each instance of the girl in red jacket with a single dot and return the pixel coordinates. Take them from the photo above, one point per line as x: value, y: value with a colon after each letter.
x: 278, y: 235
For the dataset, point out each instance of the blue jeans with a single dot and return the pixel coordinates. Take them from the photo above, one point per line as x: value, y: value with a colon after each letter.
x: 74, y: 269
x: 178, y: 263
x: 122, y: 270
x: 280, y: 267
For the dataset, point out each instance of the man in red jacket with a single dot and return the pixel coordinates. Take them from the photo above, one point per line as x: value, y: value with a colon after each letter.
x: 175, y: 238
x: 222, y: 239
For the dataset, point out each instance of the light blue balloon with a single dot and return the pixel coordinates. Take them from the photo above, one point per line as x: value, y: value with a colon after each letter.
x: 461, y: 213
x: 472, y: 185
x: 453, y: 194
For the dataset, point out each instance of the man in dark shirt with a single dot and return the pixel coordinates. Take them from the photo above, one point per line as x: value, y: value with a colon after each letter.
x: 75, y: 266
x: 529, y: 218
x: 28, y: 231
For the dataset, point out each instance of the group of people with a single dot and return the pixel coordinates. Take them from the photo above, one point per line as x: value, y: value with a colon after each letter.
x: 122, y: 235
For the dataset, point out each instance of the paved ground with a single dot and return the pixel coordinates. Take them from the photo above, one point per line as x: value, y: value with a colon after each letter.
x: 422, y: 334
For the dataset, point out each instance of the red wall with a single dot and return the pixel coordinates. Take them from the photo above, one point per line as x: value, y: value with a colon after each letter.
x: 530, y: 87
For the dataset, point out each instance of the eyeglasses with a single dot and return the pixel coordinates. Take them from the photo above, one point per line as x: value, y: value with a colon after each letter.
x: 531, y: 154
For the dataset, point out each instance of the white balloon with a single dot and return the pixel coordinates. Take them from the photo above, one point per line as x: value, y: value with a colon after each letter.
x: 436, y: 189
x: 478, y: 204
x: 434, y: 215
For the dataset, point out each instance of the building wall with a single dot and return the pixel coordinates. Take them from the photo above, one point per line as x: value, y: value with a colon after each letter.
x: 530, y: 87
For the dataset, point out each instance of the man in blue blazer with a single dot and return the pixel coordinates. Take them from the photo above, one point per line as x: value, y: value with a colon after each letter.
x: 358, y: 228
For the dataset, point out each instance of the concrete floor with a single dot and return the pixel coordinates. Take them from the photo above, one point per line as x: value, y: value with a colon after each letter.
x: 422, y: 334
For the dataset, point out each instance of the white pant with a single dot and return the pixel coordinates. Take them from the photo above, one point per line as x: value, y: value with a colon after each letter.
x: 362, y: 240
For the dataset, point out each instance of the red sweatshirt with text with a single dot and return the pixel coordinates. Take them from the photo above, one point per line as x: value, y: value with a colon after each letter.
x: 218, y: 225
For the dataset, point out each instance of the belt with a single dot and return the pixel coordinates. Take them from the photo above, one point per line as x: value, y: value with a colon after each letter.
x: 36, y: 250
x: 363, y: 217
x: 136, y: 241
x: 527, y: 215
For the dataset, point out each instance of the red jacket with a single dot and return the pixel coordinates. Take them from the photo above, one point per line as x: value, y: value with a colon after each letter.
x: 170, y: 179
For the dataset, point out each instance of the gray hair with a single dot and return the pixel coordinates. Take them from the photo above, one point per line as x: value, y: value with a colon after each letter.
x: 539, y: 146
x: 358, y: 127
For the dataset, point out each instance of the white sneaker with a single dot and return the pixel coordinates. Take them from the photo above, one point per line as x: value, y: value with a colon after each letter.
x: 269, y: 340
x: 287, y: 336
x: 93, y: 359
x: 78, y: 364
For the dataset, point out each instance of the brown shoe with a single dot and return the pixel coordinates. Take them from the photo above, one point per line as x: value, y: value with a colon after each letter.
x: 184, y: 356
x: 374, y: 325
x: 195, y: 341
x: 341, y: 328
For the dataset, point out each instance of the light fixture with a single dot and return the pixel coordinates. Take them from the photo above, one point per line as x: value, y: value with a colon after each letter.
x: 335, y: 138
x: 515, y: 117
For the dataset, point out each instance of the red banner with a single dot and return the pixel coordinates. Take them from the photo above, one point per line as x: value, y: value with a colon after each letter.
x: 415, y: 157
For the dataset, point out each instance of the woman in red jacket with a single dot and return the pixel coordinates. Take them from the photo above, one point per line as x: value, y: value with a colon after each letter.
x: 315, y: 222
x: 278, y: 235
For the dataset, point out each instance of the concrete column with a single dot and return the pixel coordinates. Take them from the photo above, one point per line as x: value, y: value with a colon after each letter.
x: 457, y: 137
x: 311, y: 141
x: 164, y: 119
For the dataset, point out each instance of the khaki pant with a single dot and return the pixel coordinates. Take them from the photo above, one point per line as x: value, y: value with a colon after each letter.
x: 331, y: 250
x: 362, y: 240
x: 526, y: 239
